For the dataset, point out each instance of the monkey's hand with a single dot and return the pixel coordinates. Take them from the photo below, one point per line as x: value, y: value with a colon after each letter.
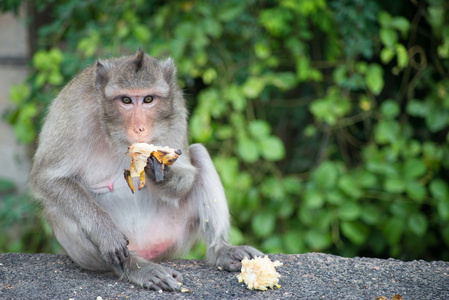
x: 113, y: 247
x: 143, y: 154
x: 229, y: 258
x: 154, y: 276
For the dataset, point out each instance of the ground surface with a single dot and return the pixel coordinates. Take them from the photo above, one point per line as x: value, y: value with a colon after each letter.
x: 305, y: 276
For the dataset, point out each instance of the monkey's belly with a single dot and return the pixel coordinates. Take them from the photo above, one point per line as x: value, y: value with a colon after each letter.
x: 154, y: 229
x: 152, y: 251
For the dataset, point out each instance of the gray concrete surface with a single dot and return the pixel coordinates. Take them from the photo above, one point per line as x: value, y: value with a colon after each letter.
x: 304, y: 276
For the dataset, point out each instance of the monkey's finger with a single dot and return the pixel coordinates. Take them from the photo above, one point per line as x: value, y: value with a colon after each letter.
x: 150, y: 164
x: 240, y: 252
x: 177, y: 276
x: 158, y: 170
x: 122, y: 254
x: 234, y: 266
x: 111, y: 258
x: 166, y: 283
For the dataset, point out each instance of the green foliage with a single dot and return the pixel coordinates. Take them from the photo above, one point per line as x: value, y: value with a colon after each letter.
x: 20, y: 223
x: 327, y: 121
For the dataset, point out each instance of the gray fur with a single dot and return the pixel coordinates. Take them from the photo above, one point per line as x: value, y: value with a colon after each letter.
x: 78, y: 176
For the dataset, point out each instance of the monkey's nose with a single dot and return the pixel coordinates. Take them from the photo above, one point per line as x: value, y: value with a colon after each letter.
x: 139, y: 130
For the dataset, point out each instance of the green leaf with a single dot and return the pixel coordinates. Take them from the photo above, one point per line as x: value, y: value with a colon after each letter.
x: 414, y: 168
x: 18, y: 93
x: 200, y: 128
x: 259, y: 129
x: 262, y: 50
x: 393, y: 230
x: 415, y: 190
x: 286, y: 210
x: 418, y: 224
x: 212, y: 27
x: 229, y: 11
x: 142, y: 33
x: 55, y: 78
x: 388, y: 37
x: 272, y: 148
x: 335, y: 197
x: 385, y: 19
x: 417, y: 108
x: 272, y: 244
x: 293, y: 241
x: 272, y: 188
x: 224, y: 132
x: 402, y: 55
x: 367, y: 179
x: 374, y: 78
x: 370, y: 214
x: 437, y: 118
x: 253, y: 87
x: 325, y: 176
x: 401, y: 24
x: 248, y: 150
x: 394, y: 185
x: 235, y: 96
x: 209, y: 76
x: 386, y: 55
x: 292, y: 184
x: 390, y: 109
x: 318, y: 240
x: 386, y: 131
x: 263, y: 223
x: 357, y: 233
x: 349, y: 186
x: 439, y: 189
x: 349, y: 211
x: 228, y: 168
x: 313, y: 199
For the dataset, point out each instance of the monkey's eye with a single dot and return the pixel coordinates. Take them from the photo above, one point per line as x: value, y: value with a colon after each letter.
x: 148, y: 99
x: 127, y: 100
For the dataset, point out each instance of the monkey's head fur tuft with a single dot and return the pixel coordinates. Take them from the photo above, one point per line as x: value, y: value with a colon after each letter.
x: 138, y: 59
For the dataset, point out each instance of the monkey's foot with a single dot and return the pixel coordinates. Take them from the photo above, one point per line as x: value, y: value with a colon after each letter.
x: 154, y: 276
x: 230, y: 258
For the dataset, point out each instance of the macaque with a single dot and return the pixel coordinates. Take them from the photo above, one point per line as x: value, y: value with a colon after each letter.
x: 78, y: 170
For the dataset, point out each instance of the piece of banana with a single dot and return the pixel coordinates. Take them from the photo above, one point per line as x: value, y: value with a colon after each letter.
x: 160, y: 156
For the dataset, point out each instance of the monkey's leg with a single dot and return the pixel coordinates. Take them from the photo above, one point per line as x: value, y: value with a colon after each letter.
x: 213, y: 214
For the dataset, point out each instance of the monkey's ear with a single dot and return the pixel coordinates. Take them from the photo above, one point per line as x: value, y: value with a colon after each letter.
x: 138, y: 59
x: 169, y: 70
x: 101, y: 76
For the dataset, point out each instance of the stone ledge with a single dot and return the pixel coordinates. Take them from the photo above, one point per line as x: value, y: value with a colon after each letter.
x: 305, y: 276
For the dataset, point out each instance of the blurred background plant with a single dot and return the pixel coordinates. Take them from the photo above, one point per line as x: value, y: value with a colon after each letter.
x: 328, y: 121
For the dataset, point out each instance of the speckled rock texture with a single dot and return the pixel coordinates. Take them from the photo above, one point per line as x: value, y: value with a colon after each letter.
x: 303, y: 276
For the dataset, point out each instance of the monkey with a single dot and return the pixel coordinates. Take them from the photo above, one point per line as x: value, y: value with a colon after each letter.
x: 77, y: 175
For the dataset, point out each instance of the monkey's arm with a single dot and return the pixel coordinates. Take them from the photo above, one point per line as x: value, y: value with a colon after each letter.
x: 66, y: 196
x: 213, y: 214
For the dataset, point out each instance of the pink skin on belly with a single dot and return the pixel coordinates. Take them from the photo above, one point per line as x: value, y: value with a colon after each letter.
x: 152, y: 251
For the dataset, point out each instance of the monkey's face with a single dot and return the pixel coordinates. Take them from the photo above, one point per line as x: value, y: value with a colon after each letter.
x: 137, y: 100
x: 132, y: 114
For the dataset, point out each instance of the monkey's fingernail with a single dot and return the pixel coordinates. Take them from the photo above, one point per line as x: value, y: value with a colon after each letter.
x: 179, y: 152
